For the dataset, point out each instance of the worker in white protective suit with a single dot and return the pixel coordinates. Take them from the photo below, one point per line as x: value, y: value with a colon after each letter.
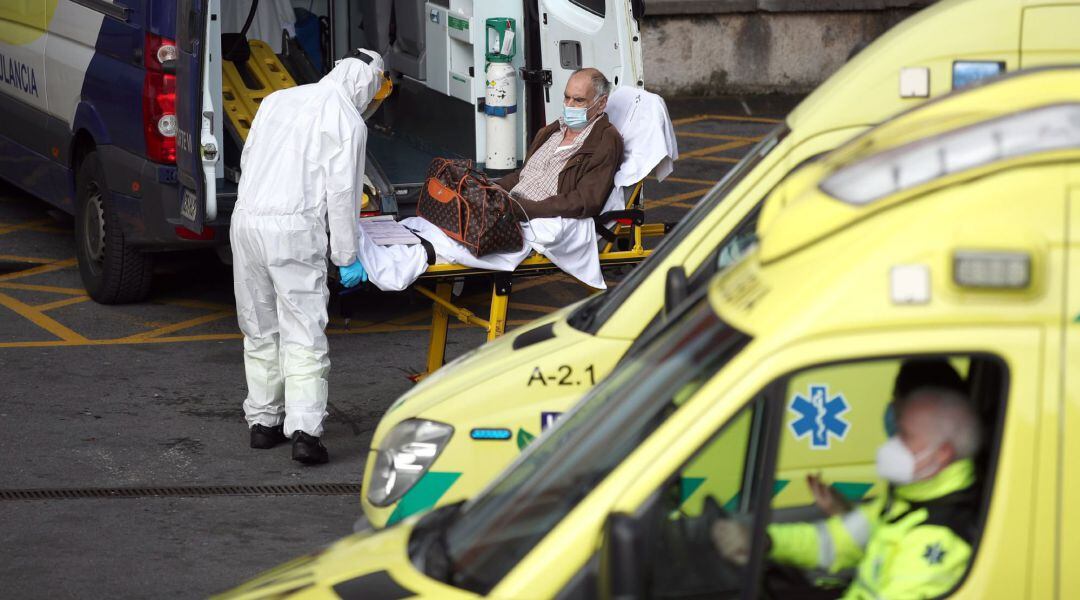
x: 302, y: 173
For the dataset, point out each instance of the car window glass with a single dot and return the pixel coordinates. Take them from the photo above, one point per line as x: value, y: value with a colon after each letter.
x: 594, y: 313
x: 559, y: 469
x: 594, y: 6
x: 686, y: 563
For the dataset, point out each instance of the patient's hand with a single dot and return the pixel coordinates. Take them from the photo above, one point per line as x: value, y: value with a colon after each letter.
x: 827, y: 498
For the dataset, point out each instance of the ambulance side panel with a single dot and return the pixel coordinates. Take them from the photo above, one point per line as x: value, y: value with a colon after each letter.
x: 71, y: 46
x: 1069, y: 505
x: 1050, y: 36
x: 23, y: 150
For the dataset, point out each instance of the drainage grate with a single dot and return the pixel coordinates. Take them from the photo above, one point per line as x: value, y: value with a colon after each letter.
x: 303, y: 489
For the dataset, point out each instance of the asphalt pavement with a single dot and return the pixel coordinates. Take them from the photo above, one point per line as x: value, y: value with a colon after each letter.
x: 127, y: 471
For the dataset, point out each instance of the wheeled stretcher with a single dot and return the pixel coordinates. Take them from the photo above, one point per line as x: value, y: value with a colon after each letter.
x: 649, y: 148
x: 622, y: 245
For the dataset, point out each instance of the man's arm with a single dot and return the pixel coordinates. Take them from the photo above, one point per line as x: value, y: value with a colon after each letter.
x: 508, y: 181
x: 835, y: 543
x: 344, y: 181
x: 594, y: 187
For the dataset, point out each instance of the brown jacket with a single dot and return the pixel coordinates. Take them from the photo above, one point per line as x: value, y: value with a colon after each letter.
x: 585, y: 182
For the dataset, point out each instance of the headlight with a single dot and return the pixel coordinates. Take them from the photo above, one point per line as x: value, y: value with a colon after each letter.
x: 407, y: 453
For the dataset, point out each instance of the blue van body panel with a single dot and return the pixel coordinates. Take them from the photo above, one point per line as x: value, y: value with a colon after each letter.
x: 88, y: 119
x: 38, y: 153
x: 114, y: 83
x: 162, y: 18
x: 27, y: 169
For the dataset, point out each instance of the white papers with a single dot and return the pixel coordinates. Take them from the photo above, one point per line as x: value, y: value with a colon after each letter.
x: 385, y: 231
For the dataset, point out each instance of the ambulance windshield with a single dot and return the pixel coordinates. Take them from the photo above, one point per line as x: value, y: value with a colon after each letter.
x: 494, y: 531
x: 593, y: 314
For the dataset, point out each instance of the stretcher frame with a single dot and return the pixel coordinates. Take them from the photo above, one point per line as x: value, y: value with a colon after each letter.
x: 627, y: 248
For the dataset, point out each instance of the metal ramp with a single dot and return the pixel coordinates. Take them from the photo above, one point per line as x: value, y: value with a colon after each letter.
x: 244, y: 85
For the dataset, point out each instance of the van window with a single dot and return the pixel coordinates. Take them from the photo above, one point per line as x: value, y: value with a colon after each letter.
x: 832, y: 421
x: 501, y: 526
x: 838, y: 415
x: 594, y: 6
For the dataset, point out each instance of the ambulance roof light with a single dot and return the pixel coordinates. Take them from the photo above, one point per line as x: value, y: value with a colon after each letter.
x: 1043, y: 129
x: 992, y: 269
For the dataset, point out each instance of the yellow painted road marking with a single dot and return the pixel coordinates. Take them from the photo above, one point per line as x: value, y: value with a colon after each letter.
x: 537, y: 308
x: 671, y: 200
x: 535, y: 281
x: 174, y: 327
x: 53, y: 266
x: 30, y: 287
x: 26, y: 259
x: 43, y: 321
x: 717, y: 136
x: 698, y: 118
x: 714, y: 149
x: 61, y: 303
x: 11, y: 227
x: 221, y: 337
x: 723, y: 159
x: 682, y: 180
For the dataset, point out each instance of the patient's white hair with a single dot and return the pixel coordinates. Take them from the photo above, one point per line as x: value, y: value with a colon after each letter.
x: 600, y: 84
x: 955, y: 420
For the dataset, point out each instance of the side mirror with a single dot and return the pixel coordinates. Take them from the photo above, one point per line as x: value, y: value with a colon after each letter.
x: 623, y: 565
x: 676, y: 289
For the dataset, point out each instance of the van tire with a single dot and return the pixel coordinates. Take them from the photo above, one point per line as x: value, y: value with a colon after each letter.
x: 112, y: 271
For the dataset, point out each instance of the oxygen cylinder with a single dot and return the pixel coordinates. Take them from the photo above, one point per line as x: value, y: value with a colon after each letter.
x: 500, y: 106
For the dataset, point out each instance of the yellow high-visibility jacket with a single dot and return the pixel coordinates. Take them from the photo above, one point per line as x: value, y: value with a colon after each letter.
x: 912, y: 543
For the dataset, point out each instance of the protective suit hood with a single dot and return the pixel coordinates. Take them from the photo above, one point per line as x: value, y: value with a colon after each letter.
x: 359, y: 80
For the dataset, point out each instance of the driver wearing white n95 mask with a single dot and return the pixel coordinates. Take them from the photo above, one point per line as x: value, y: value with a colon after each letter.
x: 914, y: 541
x: 302, y: 172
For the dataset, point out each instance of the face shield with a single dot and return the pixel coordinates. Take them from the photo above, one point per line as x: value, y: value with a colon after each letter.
x: 382, y: 84
x: 386, y: 87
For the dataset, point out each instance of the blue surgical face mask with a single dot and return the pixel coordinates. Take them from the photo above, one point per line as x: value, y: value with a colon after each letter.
x: 577, y: 117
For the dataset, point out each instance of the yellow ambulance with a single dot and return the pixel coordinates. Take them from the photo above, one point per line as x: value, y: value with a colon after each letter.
x: 449, y: 436
x: 951, y: 233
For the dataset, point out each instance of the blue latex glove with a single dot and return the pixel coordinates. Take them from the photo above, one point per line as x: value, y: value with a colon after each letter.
x: 352, y: 274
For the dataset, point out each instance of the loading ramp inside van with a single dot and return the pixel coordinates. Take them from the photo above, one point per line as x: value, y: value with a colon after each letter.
x: 244, y: 85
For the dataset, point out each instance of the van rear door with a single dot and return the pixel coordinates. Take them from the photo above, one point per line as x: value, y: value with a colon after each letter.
x: 196, y: 146
x: 588, y: 33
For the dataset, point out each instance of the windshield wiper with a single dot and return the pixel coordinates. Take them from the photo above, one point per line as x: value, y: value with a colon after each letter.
x: 583, y: 318
x: 427, y: 547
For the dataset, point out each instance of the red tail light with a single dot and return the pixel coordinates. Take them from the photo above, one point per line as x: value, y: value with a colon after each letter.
x: 159, y: 100
x: 187, y: 234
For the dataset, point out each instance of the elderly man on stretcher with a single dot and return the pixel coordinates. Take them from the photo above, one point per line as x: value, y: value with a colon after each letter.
x: 576, y: 169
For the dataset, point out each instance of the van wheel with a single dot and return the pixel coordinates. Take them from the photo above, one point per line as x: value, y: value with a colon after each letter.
x: 112, y: 271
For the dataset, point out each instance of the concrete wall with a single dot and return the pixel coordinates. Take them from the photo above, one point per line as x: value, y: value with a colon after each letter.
x: 712, y: 47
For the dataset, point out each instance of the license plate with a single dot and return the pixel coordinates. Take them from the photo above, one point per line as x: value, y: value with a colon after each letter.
x: 189, y: 207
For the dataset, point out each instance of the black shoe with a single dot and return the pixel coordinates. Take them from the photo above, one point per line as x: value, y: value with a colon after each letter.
x: 264, y: 438
x: 308, y: 449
